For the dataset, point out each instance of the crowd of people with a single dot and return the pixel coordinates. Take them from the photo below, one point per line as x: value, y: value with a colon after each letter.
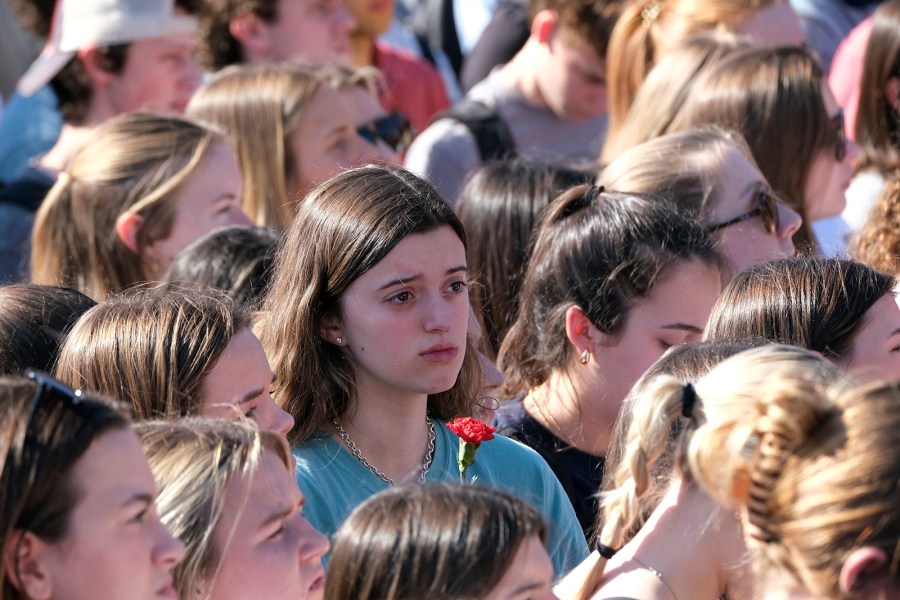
x: 453, y: 299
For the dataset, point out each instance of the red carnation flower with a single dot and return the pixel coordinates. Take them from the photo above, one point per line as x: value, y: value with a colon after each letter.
x: 471, y: 433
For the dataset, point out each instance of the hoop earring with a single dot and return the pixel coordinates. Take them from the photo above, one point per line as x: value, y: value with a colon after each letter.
x: 585, y: 356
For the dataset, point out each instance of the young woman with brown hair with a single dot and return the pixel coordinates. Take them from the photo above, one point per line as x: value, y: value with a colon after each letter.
x: 366, y: 323
x: 614, y: 279
x: 140, y: 191
x: 776, y: 98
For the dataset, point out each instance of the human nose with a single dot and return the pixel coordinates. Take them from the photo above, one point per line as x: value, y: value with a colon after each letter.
x: 366, y: 152
x: 440, y: 315
x: 168, y: 550
x: 852, y: 153
x: 789, y: 221
x: 314, y: 544
x: 273, y: 418
x: 241, y: 219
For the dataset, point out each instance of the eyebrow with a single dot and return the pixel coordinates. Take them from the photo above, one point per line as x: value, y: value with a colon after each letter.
x: 138, y: 498
x: 419, y: 277
x: 683, y: 327
x: 527, y: 587
x: 254, y: 393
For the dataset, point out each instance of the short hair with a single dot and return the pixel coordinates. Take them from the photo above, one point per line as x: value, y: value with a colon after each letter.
x: 192, y: 461
x: 260, y: 107
x: 814, y: 303
x: 453, y: 542
x: 599, y: 251
x: 587, y: 21
x: 42, y: 440
x: 772, y: 96
x: 34, y: 322
x: 72, y: 86
x: 343, y: 228
x: 132, y: 163
x: 235, y: 260
x: 877, y: 122
x: 218, y: 48
x: 500, y: 206
x: 151, y: 349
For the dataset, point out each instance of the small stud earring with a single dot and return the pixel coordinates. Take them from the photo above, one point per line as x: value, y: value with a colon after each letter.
x: 338, y: 340
x: 585, y: 356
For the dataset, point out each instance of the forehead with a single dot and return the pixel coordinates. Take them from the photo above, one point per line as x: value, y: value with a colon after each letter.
x: 250, y: 500
x: 325, y: 112
x: 112, y: 471
x: 157, y: 45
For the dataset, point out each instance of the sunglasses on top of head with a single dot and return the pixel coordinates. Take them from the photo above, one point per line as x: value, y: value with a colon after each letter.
x: 393, y: 129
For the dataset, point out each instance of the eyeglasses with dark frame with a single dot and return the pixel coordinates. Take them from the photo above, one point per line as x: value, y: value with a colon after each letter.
x: 393, y: 129
x: 766, y: 208
x: 48, y: 385
x: 839, y: 139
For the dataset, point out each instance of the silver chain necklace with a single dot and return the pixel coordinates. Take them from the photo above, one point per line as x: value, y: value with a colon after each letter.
x: 354, y: 449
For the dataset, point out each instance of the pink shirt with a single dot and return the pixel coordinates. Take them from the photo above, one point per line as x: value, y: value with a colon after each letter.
x: 846, y: 72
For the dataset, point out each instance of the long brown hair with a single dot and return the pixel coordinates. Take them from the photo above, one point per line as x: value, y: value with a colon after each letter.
x: 877, y: 122
x: 599, y: 251
x: 772, y: 96
x: 345, y: 227
x: 131, y: 165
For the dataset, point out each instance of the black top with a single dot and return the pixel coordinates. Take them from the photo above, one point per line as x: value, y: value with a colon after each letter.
x: 579, y: 473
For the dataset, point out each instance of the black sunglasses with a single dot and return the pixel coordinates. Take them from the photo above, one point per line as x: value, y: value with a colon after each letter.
x: 839, y: 139
x: 393, y: 129
x: 766, y: 207
x: 48, y: 386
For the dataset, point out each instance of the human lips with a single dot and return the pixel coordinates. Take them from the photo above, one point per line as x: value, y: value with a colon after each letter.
x: 440, y: 353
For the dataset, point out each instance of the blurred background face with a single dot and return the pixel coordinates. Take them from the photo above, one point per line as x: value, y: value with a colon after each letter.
x: 832, y: 169
x: 373, y: 17
x: 316, y: 31
x: 366, y: 112
x: 326, y: 142
x: 574, y: 82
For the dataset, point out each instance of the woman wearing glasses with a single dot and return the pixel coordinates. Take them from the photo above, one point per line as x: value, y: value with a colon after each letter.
x: 292, y: 128
x: 842, y: 309
x: 776, y: 98
x: 711, y: 175
x: 78, y: 518
x: 612, y: 282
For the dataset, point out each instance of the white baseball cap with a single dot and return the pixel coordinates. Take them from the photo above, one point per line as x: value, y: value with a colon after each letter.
x: 79, y: 24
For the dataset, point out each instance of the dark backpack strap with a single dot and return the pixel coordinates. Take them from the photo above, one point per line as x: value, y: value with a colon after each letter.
x: 492, y: 136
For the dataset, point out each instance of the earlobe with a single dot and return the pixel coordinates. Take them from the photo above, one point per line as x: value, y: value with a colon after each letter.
x: 97, y: 66
x: 128, y: 230
x: 251, y: 31
x: 543, y: 26
x: 582, y: 334
x: 24, y: 569
x: 330, y: 330
x: 861, y: 569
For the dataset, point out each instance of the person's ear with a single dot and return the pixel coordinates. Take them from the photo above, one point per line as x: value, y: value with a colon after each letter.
x: 581, y: 333
x: 892, y: 92
x: 330, y: 330
x: 543, y: 26
x: 25, y: 568
x: 128, y: 229
x: 253, y: 35
x: 861, y: 567
x: 96, y: 66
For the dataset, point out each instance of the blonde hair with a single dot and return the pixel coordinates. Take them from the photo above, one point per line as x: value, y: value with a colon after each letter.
x: 743, y: 389
x: 151, y: 349
x: 132, y: 164
x: 684, y: 167
x: 261, y: 106
x: 648, y: 29
x: 192, y: 461
x: 817, y: 480
x: 657, y: 100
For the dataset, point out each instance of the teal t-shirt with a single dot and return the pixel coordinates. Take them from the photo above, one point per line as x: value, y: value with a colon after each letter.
x: 334, y: 483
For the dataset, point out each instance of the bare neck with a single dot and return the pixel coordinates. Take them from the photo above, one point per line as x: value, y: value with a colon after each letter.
x: 559, y: 405
x: 362, y: 48
x: 716, y: 564
x: 521, y: 74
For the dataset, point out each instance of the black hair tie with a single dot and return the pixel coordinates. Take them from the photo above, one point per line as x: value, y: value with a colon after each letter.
x: 605, y: 551
x: 688, y: 399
